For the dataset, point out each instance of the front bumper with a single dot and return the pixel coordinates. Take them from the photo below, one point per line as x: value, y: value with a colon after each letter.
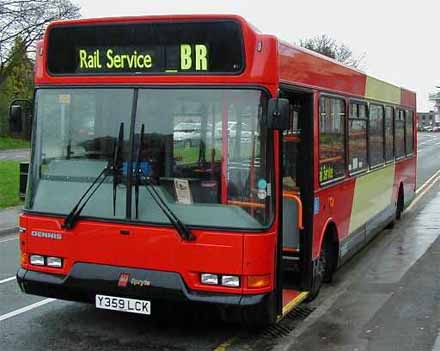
x: 85, y: 280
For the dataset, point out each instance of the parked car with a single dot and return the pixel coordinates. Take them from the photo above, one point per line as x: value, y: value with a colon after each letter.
x: 186, y: 133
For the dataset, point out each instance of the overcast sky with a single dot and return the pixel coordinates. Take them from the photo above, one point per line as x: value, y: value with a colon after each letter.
x: 400, y: 38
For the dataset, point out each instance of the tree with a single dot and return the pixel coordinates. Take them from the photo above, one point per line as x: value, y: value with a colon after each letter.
x: 327, y: 46
x: 26, y: 19
x: 18, y: 83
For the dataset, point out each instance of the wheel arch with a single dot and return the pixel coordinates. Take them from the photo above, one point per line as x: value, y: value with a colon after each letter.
x: 330, y: 230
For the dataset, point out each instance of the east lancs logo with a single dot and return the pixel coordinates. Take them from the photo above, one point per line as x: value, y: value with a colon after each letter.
x: 47, y: 235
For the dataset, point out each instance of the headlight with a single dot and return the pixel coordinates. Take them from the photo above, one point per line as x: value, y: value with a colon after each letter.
x: 55, y: 262
x: 209, y: 279
x: 232, y: 281
x: 37, y: 260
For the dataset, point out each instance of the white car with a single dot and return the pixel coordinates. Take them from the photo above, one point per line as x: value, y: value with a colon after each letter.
x: 187, y: 133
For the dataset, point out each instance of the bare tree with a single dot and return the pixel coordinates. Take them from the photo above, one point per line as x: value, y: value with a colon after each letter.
x: 26, y: 19
x: 327, y: 46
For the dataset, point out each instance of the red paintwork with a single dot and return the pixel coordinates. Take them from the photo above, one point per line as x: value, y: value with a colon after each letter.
x: 408, y: 99
x: 307, y: 68
x: 161, y: 248
x: 289, y: 295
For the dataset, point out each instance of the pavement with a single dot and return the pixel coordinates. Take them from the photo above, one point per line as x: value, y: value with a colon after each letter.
x: 9, y: 216
x: 15, y: 155
x: 9, y: 220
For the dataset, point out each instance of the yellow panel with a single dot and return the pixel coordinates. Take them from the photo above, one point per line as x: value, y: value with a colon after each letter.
x: 379, y: 90
x: 372, y: 194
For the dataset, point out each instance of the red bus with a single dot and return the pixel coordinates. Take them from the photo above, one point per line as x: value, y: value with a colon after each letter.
x: 194, y: 159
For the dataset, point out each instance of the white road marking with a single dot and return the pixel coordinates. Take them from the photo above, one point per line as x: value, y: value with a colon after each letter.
x: 436, y: 346
x: 7, y: 280
x: 6, y: 240
x: 25, y: 309
x: 427, y: 181
x: 426, y: 186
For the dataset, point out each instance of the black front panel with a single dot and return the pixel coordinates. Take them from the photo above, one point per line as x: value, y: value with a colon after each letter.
x: 146, y: 48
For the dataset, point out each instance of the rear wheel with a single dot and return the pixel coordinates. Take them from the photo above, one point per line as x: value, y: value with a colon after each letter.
x: 400, y: 204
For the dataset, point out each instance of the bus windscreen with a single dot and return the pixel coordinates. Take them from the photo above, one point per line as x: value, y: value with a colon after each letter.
x: 146, y: 48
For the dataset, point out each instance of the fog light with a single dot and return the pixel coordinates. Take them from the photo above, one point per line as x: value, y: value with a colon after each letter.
x: 54, y: 262
x: 231, y: 281
x: 209, y: 279
x: 37, y: 260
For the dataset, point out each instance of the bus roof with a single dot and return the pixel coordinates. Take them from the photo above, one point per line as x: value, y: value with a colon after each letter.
x: 296, y: 65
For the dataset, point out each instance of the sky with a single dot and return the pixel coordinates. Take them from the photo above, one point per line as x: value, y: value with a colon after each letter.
x: 399, y: 38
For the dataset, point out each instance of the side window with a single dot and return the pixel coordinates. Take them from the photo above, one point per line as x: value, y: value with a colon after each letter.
x: 331, y: 139
x: 357, y: 137
x: 375, y: 132
x: 399, y: 133
x: 389, y: 135
x: 409, y: 128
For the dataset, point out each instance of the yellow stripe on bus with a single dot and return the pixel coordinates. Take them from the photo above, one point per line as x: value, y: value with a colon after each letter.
x: 379, y: 90
x: 372, y: 194
x: 295, y: 302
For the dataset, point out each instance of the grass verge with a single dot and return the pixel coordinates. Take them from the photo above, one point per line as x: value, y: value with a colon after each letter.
x: 9, y: 182
x: 7, y: 143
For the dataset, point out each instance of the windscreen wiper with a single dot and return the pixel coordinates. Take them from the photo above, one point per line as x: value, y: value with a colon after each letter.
x: 117, y: 164
x: 137, y: 167
x: 112, y: 169
x: 141, y: 177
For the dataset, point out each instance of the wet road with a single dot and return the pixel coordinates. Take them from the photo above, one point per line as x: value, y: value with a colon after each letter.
x: 428, y: 160
x: 386, y: 298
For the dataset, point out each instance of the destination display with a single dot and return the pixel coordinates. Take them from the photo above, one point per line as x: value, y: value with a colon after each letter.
x: 146, y: 48
x: 172, y: 59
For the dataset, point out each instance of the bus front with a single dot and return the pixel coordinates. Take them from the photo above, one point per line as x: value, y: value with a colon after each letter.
x: 152, y: 173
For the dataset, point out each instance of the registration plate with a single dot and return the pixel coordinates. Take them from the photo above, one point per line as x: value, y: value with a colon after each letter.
x: 123, y: 304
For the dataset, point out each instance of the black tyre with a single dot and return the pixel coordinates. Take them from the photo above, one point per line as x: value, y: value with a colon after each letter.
x: 324, y: 268
x: 400, y: 204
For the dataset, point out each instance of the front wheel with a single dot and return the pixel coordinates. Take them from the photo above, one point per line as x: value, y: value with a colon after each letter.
x: 323, y: 269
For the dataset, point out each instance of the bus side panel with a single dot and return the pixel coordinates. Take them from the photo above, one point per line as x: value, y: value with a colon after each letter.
x: 335, y: 205
x: 405, y: 174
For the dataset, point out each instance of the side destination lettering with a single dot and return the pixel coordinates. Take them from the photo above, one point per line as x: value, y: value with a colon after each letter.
x: 46, y: 235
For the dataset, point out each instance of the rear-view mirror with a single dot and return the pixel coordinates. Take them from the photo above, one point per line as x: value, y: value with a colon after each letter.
x: 16, y: 119
x: 278, y: 114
